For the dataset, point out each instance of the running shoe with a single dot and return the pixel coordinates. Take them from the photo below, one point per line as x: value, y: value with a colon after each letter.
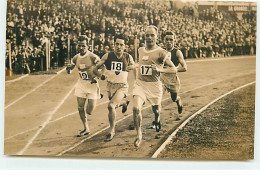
x: 157, y: 126
x: 124, y: 107
x: 109, y: 137
x: 179, y: 105
x: 137, y: 142
x: 83, y: 133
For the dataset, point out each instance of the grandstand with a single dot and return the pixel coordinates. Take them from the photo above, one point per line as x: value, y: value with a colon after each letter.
x: 41, y: 35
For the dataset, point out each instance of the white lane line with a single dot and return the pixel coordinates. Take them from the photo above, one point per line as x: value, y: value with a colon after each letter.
x: 45, y: 123
x: 17, y: 79
x: 61, y: 71
x: 218, y: 59
x: 75, y: 112
x: 7, y: 106
x: 60, y: 118
x: 89, y: 137
x: 21, y: 77
x: 169, y: 139
x: 26, y: 94
x: 101, y: 130
x: 67, y: 115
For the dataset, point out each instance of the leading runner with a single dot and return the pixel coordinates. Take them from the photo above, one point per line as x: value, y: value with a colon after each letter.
x: 148, y: 86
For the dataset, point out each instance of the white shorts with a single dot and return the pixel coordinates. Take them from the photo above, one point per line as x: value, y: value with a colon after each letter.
x: 149, y: 91
x: 84, y: 89
x: 172, y: 87
x: 113, y: 88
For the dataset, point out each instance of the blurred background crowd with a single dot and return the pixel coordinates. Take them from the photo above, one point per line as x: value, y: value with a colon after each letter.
x: 35, y: 28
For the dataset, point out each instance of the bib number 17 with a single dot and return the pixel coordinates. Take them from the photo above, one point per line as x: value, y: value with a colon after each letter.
x: 146, y: 70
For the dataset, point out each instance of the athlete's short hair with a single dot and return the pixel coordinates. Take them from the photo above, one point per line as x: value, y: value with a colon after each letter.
x: 170, y: 33
x: 120, y: 36
x: 82, y: 38
x: 154, y: 27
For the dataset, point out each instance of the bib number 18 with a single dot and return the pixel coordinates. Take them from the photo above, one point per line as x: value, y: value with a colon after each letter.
x: 146, y: 70
x: 117, y: 66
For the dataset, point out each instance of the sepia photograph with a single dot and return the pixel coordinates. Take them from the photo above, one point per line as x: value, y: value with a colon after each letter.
x: 130, y: 79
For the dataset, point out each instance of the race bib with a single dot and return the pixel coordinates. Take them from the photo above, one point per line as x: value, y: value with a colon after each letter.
x: 117, y: 66
x: 146, y: 70
x: 83, y: 75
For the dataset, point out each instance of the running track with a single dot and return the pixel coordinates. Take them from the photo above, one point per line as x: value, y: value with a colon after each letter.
x: 41, y: 113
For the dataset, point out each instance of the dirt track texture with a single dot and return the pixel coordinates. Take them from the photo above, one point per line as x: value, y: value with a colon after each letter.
x: 224, y: 131
x: 122, y: 144
x: 47, y: 121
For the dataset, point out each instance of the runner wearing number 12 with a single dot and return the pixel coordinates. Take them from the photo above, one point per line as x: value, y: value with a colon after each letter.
x: 117, y: 63
x: 148, y: 86
x: 87, y: 87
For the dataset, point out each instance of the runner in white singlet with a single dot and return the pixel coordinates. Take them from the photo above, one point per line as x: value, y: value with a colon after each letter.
x: 148, y: 86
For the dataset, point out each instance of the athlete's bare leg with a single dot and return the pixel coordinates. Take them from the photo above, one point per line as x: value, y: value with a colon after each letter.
x: 157, y: 111
x: 176, y: 98
x: 112, y: 105
x: 82, y: 114
x: 137, y: 107
x: 91, y: 106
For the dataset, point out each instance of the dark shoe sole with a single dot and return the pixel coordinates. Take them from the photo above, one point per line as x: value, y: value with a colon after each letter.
x: 157, y: 126
x: 180, y: 106
x: 83, y: 134
x: 109, y: 137
x: 124, y: 107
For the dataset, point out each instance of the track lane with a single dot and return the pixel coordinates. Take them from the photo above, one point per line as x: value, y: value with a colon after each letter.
x: 196, y: 76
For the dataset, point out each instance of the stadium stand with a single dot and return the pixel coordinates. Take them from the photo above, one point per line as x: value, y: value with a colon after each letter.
x: 40, y: 29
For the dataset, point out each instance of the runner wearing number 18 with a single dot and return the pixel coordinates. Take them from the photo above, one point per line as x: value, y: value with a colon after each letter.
x: 148, y: 86
x: 87, y: 87
x: 118, y: 64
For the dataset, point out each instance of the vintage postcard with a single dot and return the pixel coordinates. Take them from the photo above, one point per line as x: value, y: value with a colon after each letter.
x: 131, y: 79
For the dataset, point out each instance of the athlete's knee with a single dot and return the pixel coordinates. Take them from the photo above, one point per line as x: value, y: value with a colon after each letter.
x: 111, y: 106
x: 173, y: 96
x: 136, y: 110
x: 81, y: 109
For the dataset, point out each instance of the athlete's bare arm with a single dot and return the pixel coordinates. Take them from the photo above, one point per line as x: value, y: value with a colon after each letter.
x: 182, y: 67
x: 167, y: 63
x: 100, y: 65
x: 131, y: 65
x: 100, y: 70
x: 71, y: 65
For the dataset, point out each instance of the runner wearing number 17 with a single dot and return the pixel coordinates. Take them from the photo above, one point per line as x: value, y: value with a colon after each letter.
x: 117, y: 63
x: 148, y: 86
x: 87, y: 87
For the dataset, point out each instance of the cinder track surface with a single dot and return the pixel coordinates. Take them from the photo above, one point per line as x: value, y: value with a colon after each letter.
x: 43, y: 120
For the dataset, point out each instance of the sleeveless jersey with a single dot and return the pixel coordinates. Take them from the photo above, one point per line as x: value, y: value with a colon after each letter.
x: 146, y: 59
x: 116, y: 67
x: 85, y: 65
x: 174, y: 57
x: 171, y: 78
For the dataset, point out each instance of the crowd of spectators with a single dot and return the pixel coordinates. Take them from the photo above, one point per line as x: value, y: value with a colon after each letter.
x: 33, y: 23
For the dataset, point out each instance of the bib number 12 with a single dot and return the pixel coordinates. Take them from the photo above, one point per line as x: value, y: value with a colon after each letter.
x: 83, y: 75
